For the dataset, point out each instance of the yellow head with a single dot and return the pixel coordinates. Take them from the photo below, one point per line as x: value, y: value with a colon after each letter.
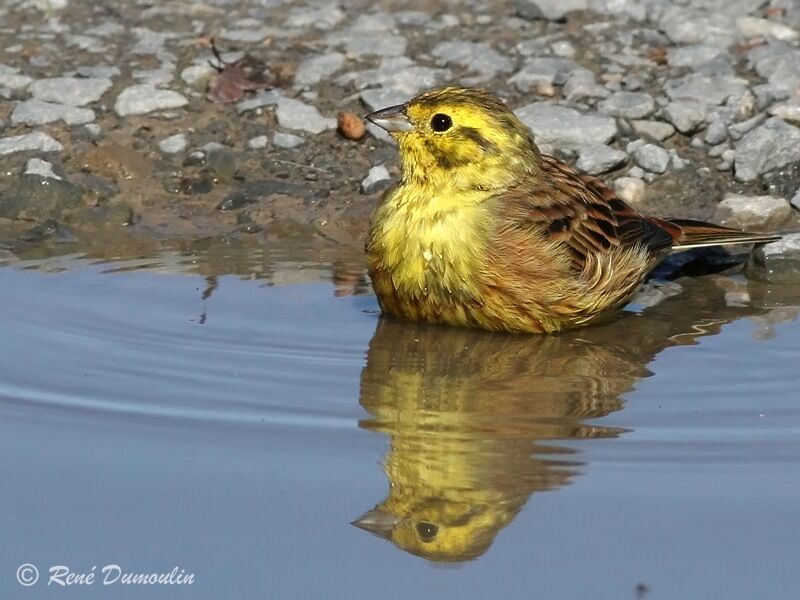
x: 460, y: 136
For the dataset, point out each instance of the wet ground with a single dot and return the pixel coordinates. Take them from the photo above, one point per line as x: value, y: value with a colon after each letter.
x: 232, y: 413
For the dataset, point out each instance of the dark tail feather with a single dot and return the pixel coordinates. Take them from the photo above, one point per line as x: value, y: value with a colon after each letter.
x: 698, y: 234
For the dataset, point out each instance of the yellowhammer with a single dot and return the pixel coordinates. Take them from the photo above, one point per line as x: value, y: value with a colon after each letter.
x: 485, y: 231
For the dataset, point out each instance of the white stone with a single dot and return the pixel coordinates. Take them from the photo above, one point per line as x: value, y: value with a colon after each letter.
x: 28, y: 142
x: 286, y: 140
x: 142, y: 99
x: 42, y: 168
x: 73, y: 91
x: 35, y: 112
x: 173, y: 144
x: 258, y: 142
x: 294, y: 114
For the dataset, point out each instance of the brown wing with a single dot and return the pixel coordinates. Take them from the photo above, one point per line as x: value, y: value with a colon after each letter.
x: 580, y: 211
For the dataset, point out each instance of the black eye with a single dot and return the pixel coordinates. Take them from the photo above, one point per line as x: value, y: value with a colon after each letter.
x: 441, y: 122
x: 427, y: 531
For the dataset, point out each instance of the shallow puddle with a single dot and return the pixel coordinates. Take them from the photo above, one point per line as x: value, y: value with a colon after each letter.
x: 159, y: 413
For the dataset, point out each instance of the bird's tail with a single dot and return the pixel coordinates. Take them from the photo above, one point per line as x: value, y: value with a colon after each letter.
x: 699, y: 234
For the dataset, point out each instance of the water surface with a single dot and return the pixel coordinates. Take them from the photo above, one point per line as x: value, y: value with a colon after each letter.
x: 159, y: 413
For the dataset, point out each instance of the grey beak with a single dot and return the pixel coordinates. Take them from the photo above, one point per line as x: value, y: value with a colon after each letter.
x: 393, y: 119
x: 378, y: 522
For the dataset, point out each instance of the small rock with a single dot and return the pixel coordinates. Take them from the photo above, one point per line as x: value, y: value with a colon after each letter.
x: 351, y: 126
x: 716, y: 133
x: 35, y: 112
x: 753, y: 27
x: 28, y: 142
x: 692, y: 55
x: 259, y: 100
x: 709, y: 89
x: 686, y: 115
x: 42, y: 168
x: 542, y: 70
x: 630, y: 189
x: 777, y: 262
x: 10, y: 78
x: 737, y: 130
x: 788, y: 111
x: 198, y: 76
x: 653, y: 129
x: 476, y: 57
x: 174, y: 144
x: 258, y: 142
x: 581, y: 85
x: 551, y: 10
x: 795, y: 201
x: 312, y: 70
x: 294, y: 114
x: 753, y: 213
x: 143, y: 98
x: 630, y: 105
x: 600, y: 158
x: 50, y: 230
x: 377, y: 179
x: 564, y: 127
x: 73, y: 91
x: 652, y: 158
x: 286, y: 140
x: 772, y: 145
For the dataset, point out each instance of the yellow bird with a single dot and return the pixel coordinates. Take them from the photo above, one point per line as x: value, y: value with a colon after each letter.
x: 485, y: 231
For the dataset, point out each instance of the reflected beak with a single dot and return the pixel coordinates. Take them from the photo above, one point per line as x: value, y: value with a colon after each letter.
x: 377, y: 522
x: 393, y: 119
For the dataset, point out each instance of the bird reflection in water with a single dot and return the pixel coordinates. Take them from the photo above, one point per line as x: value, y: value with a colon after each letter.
x: 472, y: 416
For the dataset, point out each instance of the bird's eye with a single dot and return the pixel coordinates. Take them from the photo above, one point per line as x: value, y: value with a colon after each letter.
x: 427, y: 531
x: 441, y: 122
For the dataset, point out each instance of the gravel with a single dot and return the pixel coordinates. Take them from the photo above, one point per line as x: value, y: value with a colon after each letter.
x: 566, y: 128
x: 753, y: 213
x: 143, y: 99
x: 600, y: 158
x: 376, y: 180
x: 36, y: 112
x: 630, y: 105
x: 294, y: 114
x: 777, y: 262
x: 652, y: 158
x: 476, y: 57
x: 73, y: 91
x: 773, y: 144
x: 286, y: 140
x: 42, y: 168
x: 35, y: 141
x: 314, y: 69
x: 686, y: 115
x: 174, y: 144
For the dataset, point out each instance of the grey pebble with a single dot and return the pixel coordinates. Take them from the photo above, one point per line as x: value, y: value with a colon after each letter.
x: 656, y: 130
x: 597, y: 159
x: 716, y: 133
x: 294, y: 114
x: 258, y: 142
x: 377, y: 179
x: 777, y: 262
x: 652, y: 158
x: 142, y: 99
x: 42, y: 168
x: 27, y: 142
x: 476, y: 57
x: 564, y: 127
x: 35, y: 112
x: 74, y: 91
x: 551, y: 10
x: 753, y: 213
x: 312, y: 70
x: 630, y: 105
x: 174, y: 144
x: 771, y: 145
x: 286, y: 140
x: 686, y: 115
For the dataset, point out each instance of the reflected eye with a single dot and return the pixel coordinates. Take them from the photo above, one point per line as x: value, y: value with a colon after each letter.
x: 427, y: 531
x: 441, y: 122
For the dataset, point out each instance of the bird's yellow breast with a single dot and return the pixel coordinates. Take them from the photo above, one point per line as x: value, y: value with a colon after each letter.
x: 431, y: 242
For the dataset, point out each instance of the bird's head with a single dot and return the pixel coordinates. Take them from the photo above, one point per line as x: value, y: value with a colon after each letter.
x: 464, y: 136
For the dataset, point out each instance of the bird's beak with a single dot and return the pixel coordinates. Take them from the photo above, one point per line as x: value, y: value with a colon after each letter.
x: 393, y: 119
x: 378, y: 522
